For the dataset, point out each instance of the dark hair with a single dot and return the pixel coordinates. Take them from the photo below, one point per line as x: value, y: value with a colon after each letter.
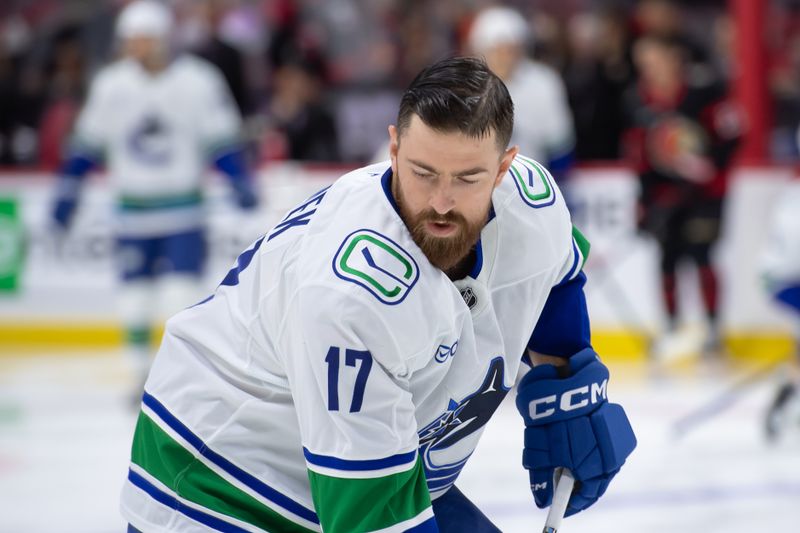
x: 459, y: 94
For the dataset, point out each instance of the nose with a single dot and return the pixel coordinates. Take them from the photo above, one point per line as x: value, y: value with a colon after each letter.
x: 442, y: 199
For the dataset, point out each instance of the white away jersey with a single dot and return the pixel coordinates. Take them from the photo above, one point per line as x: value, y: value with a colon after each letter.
x: 781, y: 255
x: 336, y: 380
x: 156, y: 133
x: 543, y: 127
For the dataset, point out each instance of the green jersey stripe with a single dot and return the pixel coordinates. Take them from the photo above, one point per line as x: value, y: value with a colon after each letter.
x: 583, y: 244
x: 370, y: 504
x: 158, y: 454
x: 137, y: 203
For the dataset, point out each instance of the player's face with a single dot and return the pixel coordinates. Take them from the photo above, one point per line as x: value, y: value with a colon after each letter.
x: 443, y: 183
x: 149, y: 51
x: 658, y: 65
x: 503, y: 59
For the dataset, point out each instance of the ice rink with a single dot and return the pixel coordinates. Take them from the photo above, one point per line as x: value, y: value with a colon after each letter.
x: 66, y: 423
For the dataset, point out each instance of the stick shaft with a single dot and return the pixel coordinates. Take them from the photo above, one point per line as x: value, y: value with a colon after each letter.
x: 561, y: 497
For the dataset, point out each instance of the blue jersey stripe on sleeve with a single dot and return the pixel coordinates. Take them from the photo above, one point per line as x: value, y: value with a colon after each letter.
x: 336, y: 463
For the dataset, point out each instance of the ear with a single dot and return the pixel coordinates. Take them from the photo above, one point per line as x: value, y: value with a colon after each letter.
x: 505, y: 163
x: 394, y: 142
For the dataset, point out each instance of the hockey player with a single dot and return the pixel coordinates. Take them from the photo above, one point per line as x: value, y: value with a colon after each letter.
x: 546, y: 134
x: 342, y: 373
x: 781, y: 267
x: 156, y: 122
x: 682, y: 136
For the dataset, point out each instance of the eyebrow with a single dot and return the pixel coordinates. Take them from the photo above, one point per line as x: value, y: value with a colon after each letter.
x: 460, y: 174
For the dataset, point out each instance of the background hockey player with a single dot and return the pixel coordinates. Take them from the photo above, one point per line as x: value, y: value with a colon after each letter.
x: 781, y: 267
x: 156, y: 122
x: 342, y: 373
x: 683, y: 134
x: 544, y: 131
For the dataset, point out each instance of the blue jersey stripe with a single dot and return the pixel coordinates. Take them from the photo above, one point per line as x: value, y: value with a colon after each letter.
x: 327, y: 461
x: 240, y: 475
x: 173, y: 503
x: 572, y: 269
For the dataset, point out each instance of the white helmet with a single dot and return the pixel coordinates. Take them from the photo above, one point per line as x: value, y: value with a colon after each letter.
x: 498, y: 25
x: 144, y: 18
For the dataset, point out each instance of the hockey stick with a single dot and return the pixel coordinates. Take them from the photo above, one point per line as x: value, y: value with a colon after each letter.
x: 561, y: 497
x: 721, y: 401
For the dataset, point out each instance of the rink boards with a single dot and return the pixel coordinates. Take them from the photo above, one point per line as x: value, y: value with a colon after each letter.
x: 64, y: 293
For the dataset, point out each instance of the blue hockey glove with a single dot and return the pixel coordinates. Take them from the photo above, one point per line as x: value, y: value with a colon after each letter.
x: 245, y: 195
x: 233, y: 163
x: 569, y: 423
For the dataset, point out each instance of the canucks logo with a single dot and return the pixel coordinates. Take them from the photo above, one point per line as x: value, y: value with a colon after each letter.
x: 378, y: 264
x: 533, y: 182
x: 438, y: 440
x: 150, y: 141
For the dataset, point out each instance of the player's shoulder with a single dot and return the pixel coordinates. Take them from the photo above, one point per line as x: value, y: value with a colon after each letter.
x: 115, y: 74
x: 196, y: 68
x: 531, y: 214
x: 356, y: 237
x: 358, y: 245
x: 528, y: 188
x: 541, y: 74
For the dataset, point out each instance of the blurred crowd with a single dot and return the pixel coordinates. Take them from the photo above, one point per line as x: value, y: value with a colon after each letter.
x: 319, y: 80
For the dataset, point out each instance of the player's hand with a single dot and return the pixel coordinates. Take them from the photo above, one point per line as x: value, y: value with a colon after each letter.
x: 569, y: 423
x: 246, y: 197
x: 62, y: 213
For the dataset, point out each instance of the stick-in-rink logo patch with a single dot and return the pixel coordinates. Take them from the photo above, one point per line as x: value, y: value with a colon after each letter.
x: 378, y: 264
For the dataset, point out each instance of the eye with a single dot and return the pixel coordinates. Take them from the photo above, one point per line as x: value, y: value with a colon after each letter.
x: 422, y: 175
x: 467, y: 181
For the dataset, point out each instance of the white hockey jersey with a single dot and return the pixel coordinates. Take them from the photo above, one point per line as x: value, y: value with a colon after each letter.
x: 156, y: 133
x: 336, y: 380
x: 781, y: 255
x: 543, y: 130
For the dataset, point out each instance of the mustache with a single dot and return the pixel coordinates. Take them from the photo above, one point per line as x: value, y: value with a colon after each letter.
x: 451, y: 217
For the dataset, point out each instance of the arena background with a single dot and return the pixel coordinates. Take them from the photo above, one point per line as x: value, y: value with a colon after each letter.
x: 702, y: 465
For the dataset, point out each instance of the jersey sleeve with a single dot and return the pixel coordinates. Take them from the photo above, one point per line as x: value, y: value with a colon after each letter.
x: 220, y: 122
x: 780, y: 257
x: 356, y: 416
x: 563, y: 326
x: 91, y: 128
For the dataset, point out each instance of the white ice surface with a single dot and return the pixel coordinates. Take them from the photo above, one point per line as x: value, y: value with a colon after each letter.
x: 66, y: 424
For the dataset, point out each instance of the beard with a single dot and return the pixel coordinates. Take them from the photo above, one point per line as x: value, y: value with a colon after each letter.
x: 444, y: 253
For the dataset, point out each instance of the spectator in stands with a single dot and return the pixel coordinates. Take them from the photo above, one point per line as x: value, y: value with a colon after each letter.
x: 681, y: 140
x: 208, y: 44
x: 596, y: 75
x: 299, y: 125
x: 66, y: 76
x: 664, y: 18
x: 544, y: 128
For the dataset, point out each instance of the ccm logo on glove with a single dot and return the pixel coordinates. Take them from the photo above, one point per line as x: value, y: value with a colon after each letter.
x: 570, y: 400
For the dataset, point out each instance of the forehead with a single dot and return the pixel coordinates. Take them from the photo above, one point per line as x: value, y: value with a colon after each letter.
x: 445, y: 148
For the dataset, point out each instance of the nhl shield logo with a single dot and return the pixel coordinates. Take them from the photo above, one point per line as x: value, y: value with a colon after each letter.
x: 469, y: 297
